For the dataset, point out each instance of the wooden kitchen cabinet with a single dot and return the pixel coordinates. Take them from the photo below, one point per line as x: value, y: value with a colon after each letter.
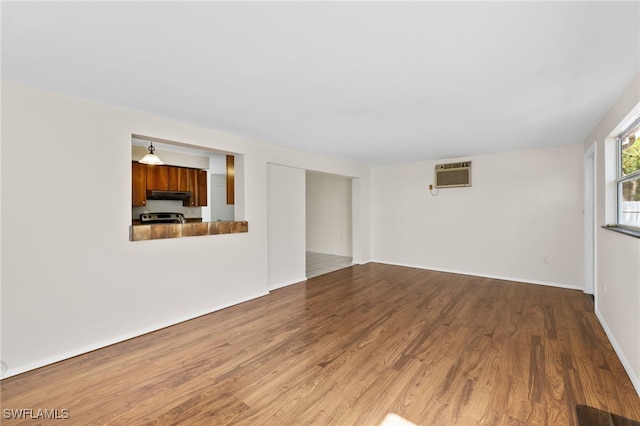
x: 198, y: 188
x: 158, y: 177
x: 202, y: 188
x: 178, y: 178
x: 231, y: 172
x: 168, y: 178
x: 138, y: 184
x: 193, y: 187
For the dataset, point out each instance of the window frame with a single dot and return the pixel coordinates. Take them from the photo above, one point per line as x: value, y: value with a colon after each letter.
x: 621, y: 178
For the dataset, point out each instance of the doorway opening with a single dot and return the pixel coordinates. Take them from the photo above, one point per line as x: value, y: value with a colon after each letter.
x: 329, y: 245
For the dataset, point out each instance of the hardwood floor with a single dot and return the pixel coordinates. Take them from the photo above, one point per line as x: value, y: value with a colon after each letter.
x: 347, y: 348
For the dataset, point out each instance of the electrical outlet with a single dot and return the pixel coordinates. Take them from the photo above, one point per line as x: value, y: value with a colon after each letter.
x: 545, y: 259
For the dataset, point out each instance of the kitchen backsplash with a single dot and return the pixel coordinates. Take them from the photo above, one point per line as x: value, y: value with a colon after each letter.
x: 157, y: 206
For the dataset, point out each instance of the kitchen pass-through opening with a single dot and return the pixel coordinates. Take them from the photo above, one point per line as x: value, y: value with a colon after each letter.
x: 195, y: 184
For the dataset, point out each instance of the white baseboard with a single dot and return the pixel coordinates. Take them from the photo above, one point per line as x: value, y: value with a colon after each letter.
x: 635, y: 380
x: 478, y: 274
x: 13, y: 371
x: 286, y: 283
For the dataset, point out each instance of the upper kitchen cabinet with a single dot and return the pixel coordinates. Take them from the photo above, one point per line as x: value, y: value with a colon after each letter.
x: 231, y: 179
x: 138, y: 184
x: 178, y: 178
x: 158, y: 177
x: 193, y: 188
x: 168, y: 178
x: 197, y: 187
x: 202, y: 188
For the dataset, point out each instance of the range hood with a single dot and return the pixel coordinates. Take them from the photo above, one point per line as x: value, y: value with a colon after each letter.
x: 156, y: 194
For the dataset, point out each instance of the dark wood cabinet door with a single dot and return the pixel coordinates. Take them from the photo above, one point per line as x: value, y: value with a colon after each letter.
x: 138, y: 184
x: 178, y: 178
x: 231, y: 172
x: 158, y: 177
x: 168, y: 178
x: 201, y: 188
x: 193, y: 187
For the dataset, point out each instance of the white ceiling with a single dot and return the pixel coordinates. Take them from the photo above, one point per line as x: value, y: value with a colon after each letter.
x: 371, y: 82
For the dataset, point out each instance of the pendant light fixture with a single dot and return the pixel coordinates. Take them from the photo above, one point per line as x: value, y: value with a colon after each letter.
x: 151, y: 158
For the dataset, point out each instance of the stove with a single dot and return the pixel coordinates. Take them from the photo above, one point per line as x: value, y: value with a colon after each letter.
x: 164, y: 217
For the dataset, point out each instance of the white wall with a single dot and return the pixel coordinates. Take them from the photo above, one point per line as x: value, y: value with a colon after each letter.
x: 74, y: 282
x: 285, y: 225
x: 218, y: 207
x: 328, y: 201
x: 617, y: 292
x: 523, y: 206
x: 361, y: 210
x: 218, y: 164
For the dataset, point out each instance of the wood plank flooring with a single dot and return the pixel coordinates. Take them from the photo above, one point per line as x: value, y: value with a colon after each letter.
x: 347, y: 348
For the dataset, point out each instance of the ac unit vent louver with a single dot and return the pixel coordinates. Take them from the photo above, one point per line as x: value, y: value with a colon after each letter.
x: 453, y: 175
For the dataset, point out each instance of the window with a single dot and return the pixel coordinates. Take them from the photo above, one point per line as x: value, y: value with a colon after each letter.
x: 628, y: 176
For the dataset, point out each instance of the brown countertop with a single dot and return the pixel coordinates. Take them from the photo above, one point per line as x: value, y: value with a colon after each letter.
x: 189, y: 229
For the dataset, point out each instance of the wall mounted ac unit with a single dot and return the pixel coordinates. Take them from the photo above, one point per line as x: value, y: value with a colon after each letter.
x: 453, y: 175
